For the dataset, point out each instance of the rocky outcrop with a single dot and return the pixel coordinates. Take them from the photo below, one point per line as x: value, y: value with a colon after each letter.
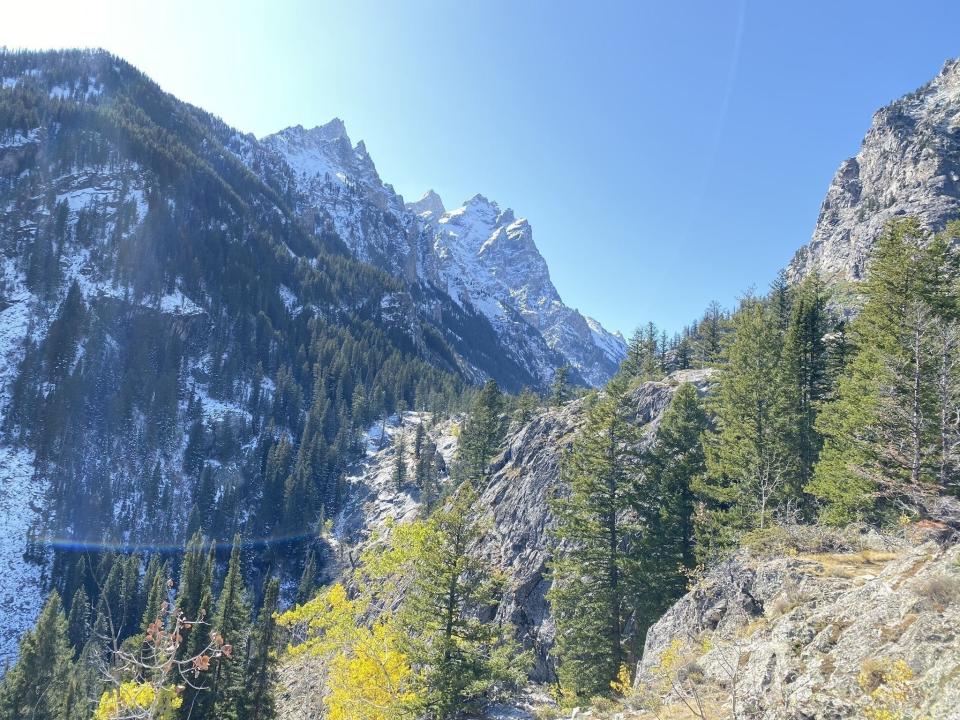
x: 799, y: 631
x: 908, y: 164
x: 515, y: 505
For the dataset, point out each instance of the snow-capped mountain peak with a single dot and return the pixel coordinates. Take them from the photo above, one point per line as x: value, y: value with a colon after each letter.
x: 333, y: 130
x: 482, y: 255
x: 325, y: 153
x: 428, y: 206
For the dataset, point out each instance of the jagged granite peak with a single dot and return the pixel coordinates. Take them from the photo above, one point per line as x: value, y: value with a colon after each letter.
x: 483, y: 252
x: 429, y: 205
x: 480, y: 254
x: 325, y: 153
x: 908, y: 164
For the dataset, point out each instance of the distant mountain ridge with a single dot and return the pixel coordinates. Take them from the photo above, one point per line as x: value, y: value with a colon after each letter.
x: 482, y: 256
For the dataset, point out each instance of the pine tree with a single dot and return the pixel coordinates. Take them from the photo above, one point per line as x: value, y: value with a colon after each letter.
x: 751, y: 457
x: 591, y: 597
x: 710, y: 342
x: 806, y: 364
x: 683, y: 354
x: 633, y: 363
x: 781, y: 300
x: 651, y: 367
x: 481, y: 435
x: 419, y: 436
x: 78, y: 620
x: 262, y: 664
x: 526, y: 405
x: 560, y: 387
x: 460, y: 656
x: 671, y: 466
x: 194, y: 601
x: 426, y: 474
x: 308, y: 579
x: 38, y: 685
x: 882, y: 430
x: 400, y: 461
x: 232, y: 621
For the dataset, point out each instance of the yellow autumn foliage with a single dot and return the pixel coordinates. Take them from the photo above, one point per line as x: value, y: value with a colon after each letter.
x: 887, y: 683
x: 131, y: 698
x: 369, y: 676
x: 374, y: 681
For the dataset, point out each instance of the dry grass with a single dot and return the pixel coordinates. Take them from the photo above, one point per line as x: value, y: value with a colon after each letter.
x: 851, y: 565
x: 715, y: 705
x: 893, y: 633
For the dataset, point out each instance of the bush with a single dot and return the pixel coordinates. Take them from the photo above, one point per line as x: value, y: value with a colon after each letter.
x: 941, y: 589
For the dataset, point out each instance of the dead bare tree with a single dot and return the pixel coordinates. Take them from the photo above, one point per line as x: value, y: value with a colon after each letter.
x: 147, y: 681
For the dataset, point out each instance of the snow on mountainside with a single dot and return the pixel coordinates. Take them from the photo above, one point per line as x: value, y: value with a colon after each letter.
x: 342, y: 192
x: 487, y: 256
x: 482, y: 256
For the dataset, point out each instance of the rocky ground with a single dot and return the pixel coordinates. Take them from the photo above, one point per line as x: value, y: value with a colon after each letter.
x: 808, y: 625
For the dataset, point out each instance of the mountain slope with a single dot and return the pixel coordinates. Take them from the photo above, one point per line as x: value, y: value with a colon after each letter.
x: 176, y: 351
x: 483, y: 258
x: 514, y: 504
x: 908, y: 164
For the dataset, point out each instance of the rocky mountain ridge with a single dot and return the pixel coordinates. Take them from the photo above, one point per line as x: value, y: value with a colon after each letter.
x: 483, y: 257
x: 908, y: 164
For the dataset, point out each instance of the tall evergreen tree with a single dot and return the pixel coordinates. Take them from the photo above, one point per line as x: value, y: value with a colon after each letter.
x: 882, y: 430
x: 308, y: 579
x: 262, y: 663
x: 195, y: 601
x: 232, y: 621
x: 560, y: 387
x: 806, y: 358
x: 751, y: 457
x: 666, y: 508
x: 460, y: 656
x: 38, y: 685
x: 710, y: 332
x: 78, y: 620
x: 481, y: 434
x: 426, y: 474
x: 526, y: 405
x: 400, y: 461
x: 591, y: 596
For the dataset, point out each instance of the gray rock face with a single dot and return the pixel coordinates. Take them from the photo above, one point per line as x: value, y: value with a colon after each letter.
x: 908, y: 164
x: 809, y: 635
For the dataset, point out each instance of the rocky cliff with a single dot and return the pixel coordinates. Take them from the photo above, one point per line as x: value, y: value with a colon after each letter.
x: 514, y: 505
x: 908, y: 164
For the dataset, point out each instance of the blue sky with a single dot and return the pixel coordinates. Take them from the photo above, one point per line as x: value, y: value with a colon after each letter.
x: 667, y: 154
